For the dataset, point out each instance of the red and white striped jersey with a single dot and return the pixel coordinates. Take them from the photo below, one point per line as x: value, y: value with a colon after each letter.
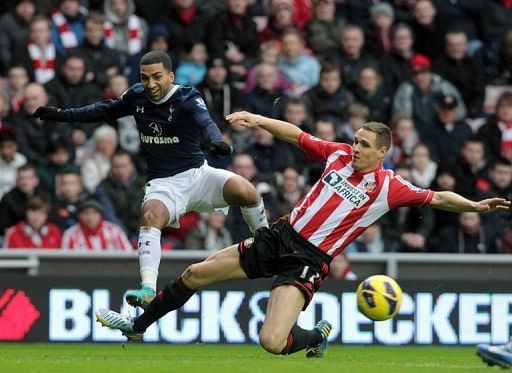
x: 107, y: 237
x: 344, y: 202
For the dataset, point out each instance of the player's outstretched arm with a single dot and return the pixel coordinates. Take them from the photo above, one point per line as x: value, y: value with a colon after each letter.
x: 282, y: 130
x: 50, y: 113
x: 450, y: 201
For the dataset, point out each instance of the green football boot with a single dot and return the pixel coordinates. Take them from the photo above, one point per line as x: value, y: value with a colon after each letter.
x: 141, y: 297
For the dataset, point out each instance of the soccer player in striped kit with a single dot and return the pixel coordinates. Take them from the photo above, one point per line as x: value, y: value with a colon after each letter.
x: 353, y: 192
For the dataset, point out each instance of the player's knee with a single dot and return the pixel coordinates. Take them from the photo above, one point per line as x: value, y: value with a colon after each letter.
x: 250, y: 195
x: 272, y: 343
x: 151, y: 218
x: 193, y: 274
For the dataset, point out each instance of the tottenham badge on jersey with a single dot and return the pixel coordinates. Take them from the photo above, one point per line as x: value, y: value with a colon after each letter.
x: 345, y: 189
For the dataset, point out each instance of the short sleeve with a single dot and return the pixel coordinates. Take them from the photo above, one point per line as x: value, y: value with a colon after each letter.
x: 320, y: 150
x: 402, y: 193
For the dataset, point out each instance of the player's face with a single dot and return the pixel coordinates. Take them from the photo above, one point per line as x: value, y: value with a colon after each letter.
x: 366, y: 154
x: 156, y: 80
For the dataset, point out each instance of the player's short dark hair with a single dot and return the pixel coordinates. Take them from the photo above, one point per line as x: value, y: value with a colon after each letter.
x: 155, y: 57
x: 382, y: 131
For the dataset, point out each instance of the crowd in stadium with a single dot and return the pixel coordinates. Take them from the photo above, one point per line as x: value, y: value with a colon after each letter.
x: 438, y: 72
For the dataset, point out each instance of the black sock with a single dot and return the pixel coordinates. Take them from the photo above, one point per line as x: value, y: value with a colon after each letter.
x: 299, y: 339
x: 171, y: 298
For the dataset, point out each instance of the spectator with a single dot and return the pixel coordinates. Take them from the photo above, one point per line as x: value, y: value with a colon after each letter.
x: 370, y: 241
x: 301, y: 70
x: 449, y: 134
x: 379, y: 32
x: 500, y: 185
x: 290, y: 189
x: 121, y: 192
x: 17, y: 80
x: 5, y: 121
x: 210, y: 234
x: 235, y: 38
x: 324, y: 30
x: 396, y: 66
x: 220, y: 96
x: 296, y: 112
x: 270, y: 53
x: 444, y: 221
x: 497, y: 61
x: 93, y: 233
x: 123, y: 30
x: 464, y: 16
x: 187, y: 23
x: 280, y: 19
x: 158, y: 40
x: 57, y: 160
x: 128, y: 133
x: 428, y: 30
x: 462, y: 71
x: 97, y: 164
x: 192, y: 69
x: 418, y: 98
x: 70, y: 192
x: 68, y: 26
x: 357, y: 115
x: 352, y: 58
x: 243, y: 165
x: 329, y: 98
x: 69, y: 89
x: 101, y: 61
x: 423, y: 169
x: 39, y: 55
x: 34, y: 232
x: 14, y: 31
x: 14, y: 202
x: 469, y: 236
x: 264, y: 152
x: 471, y: 167
x: 497, y: 131
x: 10, y: 161
x: 403, y: 140
x: 341, y: 269
x: 406, y: 229
x: 371, y: 92
x: 265, y: 98
x: 35, y: 135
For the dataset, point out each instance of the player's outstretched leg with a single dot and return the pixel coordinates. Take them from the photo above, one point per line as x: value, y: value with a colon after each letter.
x: 154, y: 217
x: 324, y: 327
x: 500, y: 355
x: 238, y: 191
x: 221, y: 266
x: 280, y: 334
x: 115, y: 320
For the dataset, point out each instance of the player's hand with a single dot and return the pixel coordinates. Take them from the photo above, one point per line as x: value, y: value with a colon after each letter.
x: 221, y: 149
x: 49, y: 113
x: 492, y: 204
x: 244, y: 118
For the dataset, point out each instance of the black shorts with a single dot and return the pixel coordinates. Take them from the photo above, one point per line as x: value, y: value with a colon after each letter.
x: 280, y: 250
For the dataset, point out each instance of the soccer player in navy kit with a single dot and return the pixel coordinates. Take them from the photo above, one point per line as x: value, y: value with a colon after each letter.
x: 172, y: 120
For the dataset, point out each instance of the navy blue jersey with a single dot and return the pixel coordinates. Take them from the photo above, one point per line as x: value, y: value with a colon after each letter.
x: 170, y: 130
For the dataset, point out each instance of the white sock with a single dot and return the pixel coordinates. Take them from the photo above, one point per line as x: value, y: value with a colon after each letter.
x: 254, y: 216
x: 149, y: 255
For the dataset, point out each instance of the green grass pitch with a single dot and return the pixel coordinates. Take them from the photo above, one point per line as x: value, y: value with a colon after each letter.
x: 99, y: 358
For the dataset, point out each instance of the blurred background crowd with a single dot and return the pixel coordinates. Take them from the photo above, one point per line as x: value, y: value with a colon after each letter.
x: 438, y: 72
